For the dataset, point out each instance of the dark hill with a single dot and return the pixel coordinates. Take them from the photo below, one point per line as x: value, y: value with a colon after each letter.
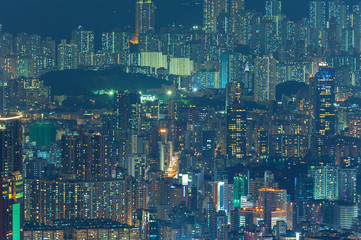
x: 84, y: 82
x: 291, y: 88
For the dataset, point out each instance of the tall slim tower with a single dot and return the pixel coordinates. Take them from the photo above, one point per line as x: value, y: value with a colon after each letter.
x: 236, y: 131
x: 209, y: 16
x: 144, y: 17
x: 10, y: 145
x: 11, y: 182
x: 323, y: 94
x: 317, y: 13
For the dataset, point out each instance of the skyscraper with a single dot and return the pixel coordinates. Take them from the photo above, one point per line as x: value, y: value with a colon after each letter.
x: 326, y: 182
x: 10, y: 145
x: 270, y: 199
x: 317, y: 15
x: 236, y: 132
x: 323, y: 91
x: 144, y: 17
x: 273, y: 8
x: 210, y: 16
x: 84, y: 39
x: 11, y: 187
x: 240, y: 189
x: 67, y: 56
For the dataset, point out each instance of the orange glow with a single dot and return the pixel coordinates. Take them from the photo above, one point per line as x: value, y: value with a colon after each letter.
x: 134, y: 39
x: 163, y: 130
x: 270, y: 190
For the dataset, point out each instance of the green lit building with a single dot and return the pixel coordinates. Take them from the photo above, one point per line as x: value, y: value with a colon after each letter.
x: 42, y: 133
x: 240, y: 189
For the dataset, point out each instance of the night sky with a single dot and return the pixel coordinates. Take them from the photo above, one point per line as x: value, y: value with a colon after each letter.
x: 56, y: 18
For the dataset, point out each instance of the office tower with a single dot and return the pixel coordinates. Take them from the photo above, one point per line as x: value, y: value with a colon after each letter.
x: 347, y: 185
x: 280, y: 229
x: 323, y: 94
x: 240, y: 190
x: 265, y: 79
x: 222, y: 226
x: 10, y: 145
x: 11, y: 188
x: 222, y: 195
x: 144, y: 17
x: 343, y: 215
x: 269, y: 180
x: 67, y: 56
x: 83, y: 39
x: 270, y: 200
x: 234, y: 92
x: 273, y: 8
x: 3, y: 96
x: 303, y: 189
x: 208, y: 150
x: 317, y: 15
x: 137, y: 164
x: 326, y: 182
x: 236, y: 132
x: 127, y: 111
x: 224, y: 70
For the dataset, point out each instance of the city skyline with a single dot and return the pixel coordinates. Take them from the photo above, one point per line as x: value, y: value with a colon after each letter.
x: 235, y: 125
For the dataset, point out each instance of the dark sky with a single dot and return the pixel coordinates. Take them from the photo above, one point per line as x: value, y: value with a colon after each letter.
x: 56, y: 18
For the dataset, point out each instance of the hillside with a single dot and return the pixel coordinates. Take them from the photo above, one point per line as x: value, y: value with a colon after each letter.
x: 84, y: 82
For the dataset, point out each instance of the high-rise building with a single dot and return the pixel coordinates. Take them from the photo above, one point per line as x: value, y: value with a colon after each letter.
x: 236, y: 132
x: 265, y: 79
x: 326, y: 182
x: 10, y: 145
x: 347, y: 185
x: 210, y: 13
x: 303, y: 189
x: 317, y: 15
x: 222, y: 226
x: 67, y: 56
x: 85, y: 156
x: 144, y: 17
x: 240, y: 190
x: 224, y: 70
x: 323, y: 94
x: 83, y: 39
x: 117, y: 43
x: 343, y: 215
x: 126, y: 108
x: 273, y: 8
x: 11, y: 188
x: 270, y: 199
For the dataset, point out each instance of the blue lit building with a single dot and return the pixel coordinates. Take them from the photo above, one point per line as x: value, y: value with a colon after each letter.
x: 323, y: 91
